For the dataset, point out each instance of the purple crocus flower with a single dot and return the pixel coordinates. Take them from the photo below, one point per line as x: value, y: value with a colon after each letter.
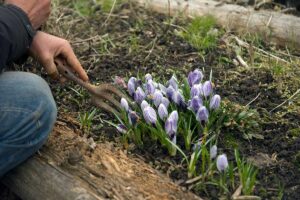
x: 213, y: 151
x: 157, y: 97
x: 124, y: 104
x: 139, y: 95
x: 202, y: 114
x: 171, y: 123
x: 173, y: 82
x: 195, y: 103
x: 162, y: 88
x: 122, y: 128
x: 131, y: 86
x: 166, y: 102
x: 148, y: 77
x: 133, y: 118
x: 162, y: 112
x: 207, y: 88
x: 215, y: 102
x: 195, y: 77
x: 170, y: 92
x: 178, y: 99
x: 150, y: 115
x: 222, y: 162
x: 144, y: 104
x: 196, y: 90
x: 150, y: 87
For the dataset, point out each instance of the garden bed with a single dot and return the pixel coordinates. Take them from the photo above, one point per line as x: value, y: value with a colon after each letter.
x: 131, y: 40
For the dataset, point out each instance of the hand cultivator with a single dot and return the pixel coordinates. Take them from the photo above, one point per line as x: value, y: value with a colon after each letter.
x: 103, y: 96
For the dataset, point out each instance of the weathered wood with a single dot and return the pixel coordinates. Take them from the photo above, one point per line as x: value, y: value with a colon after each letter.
x: 38, y: 180
x: 276, y: 27
x: 70, y: 168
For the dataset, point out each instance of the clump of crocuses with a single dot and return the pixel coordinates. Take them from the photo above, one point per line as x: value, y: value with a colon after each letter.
x: 169, y: 111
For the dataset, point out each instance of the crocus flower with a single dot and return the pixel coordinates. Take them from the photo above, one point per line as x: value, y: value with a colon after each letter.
x: 148, y: 77
x: 162, y: 112
x: 178, y: 99
x: 202, y: 114
x: 139, y: 95
x: 169, y: 92
x: 157, y: 97
x: 144, y: 104
x: 150, y: 87
x: 207, y: 88
x: 131, y: 86
x: 173, y: 82
x: 150, y: 115
x: 195, y: 77
x: 162, y: 88
x: 171, y: 123
x: 166, y: 102
x: 133, y: 118
x: 120, y: 82
x: 222, y: 162
x: 215, y: 102
x: 124, y: 104
x: 213, y: 151
x: 122, y: 128
x: 195, y: 103
x: 196, y: 90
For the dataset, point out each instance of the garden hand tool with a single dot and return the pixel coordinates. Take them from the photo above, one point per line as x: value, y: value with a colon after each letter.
x: 101, y: 95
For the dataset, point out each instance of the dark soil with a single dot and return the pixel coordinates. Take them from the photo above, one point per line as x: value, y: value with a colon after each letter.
x: 159, y: 51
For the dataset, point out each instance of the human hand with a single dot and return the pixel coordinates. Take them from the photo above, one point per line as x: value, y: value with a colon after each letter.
x: 37, y: 11
x: 47, y: 48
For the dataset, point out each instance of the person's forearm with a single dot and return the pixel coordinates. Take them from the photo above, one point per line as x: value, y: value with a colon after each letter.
x: 16, y: 34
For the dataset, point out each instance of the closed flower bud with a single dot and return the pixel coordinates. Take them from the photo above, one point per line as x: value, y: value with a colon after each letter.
x: 178, y: 99
x: 166, y: 102
x: 171, y: 123
x: 207, y: 88
x: 131, y: 86
x: 195, y: 103
x: 133, y: 118
x: 148, y: 77
x: 162, y: 112
x: 215, y: 102
x: 150, y: 87
x: 173, y: 82
x: 144, y: 104
x: 202, y: 114
x: 213, y: 152
x: 222, y: 162
x: 150, y: 115
x: 122, y: 128
x: 139, y: 95
x: 157, y: 97
x: 162, y: 88
x: 196, y: 90
x: 169, y: 92
x: 124, y: 104
x: 195, y: 77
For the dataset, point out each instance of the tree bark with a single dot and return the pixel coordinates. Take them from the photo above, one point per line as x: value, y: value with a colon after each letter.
x: 276, y: 27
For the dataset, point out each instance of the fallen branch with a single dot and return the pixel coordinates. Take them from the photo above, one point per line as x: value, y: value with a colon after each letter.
x: 276, y: 27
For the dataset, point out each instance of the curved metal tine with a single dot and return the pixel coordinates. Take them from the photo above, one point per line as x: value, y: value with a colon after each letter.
x: 105, y: 106
x: 110, y: 99
x: 116, y: 91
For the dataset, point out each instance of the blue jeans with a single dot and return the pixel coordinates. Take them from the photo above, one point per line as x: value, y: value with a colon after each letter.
x: 27, y: 116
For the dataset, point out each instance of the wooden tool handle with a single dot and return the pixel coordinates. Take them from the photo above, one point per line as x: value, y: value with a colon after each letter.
x: 67, y: 73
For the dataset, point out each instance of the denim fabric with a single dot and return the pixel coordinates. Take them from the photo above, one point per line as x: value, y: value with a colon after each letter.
x: 27, y: 116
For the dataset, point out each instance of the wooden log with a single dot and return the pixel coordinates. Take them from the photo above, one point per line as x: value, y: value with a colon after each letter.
x: 276, y: 27
x: 36, y: 180
x: 69, y: 167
